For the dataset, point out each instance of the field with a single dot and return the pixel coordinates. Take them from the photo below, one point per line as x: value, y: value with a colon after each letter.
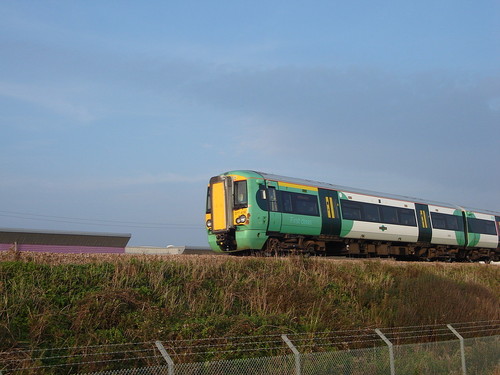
x: 53, y: 300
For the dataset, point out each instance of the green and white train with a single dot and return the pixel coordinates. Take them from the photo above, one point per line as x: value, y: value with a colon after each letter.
x: 250, y: 211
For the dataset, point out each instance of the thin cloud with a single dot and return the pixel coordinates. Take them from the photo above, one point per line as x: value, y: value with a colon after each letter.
x: 53, y: 100
x: 97, y: 183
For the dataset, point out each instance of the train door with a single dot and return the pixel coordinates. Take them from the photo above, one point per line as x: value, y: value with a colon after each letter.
x: 274, y: 222
x: 424, y: 223
x: 221, y: 203
x: 330, y: 217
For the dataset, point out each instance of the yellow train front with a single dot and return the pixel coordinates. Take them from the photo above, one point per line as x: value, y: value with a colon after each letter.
x: 249, y: 210
x: 234, y: 219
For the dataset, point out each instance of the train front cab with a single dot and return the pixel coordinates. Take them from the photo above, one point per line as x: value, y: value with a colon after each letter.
x: 233, y: 219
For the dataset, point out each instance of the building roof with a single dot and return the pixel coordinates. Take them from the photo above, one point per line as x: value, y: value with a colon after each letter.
x: 45, y: 237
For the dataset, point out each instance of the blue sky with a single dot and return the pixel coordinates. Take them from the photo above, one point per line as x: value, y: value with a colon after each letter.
x: 114, y: 114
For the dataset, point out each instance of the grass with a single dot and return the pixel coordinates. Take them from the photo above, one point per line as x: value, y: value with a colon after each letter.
x: 53, y: 300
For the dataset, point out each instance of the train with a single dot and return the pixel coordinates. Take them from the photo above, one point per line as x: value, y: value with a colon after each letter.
x: 249, y: 212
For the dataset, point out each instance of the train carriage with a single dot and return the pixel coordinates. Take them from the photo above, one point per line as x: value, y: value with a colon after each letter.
x: 253, y: 211
x: 368, y: 216
x: 482, y: 230
x: 447, y: 226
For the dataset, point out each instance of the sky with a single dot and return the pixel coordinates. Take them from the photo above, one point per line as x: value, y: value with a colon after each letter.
x: 115, y: 114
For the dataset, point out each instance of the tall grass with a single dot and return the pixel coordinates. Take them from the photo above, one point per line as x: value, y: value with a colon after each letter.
x: 52, y: 300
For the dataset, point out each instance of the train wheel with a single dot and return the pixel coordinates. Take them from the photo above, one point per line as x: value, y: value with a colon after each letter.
x: 310, y: 248
x: 272, y: 247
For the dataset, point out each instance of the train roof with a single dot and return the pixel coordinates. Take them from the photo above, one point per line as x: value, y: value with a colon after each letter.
x: 326, y: 185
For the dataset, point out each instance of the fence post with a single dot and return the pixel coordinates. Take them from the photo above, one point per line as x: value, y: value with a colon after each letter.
x: 295, y: 353
x: 462, y: 347
x: 167, y: 358
x: 391, y: 351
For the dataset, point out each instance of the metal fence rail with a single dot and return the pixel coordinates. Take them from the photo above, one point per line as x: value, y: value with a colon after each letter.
x: 461, y: 348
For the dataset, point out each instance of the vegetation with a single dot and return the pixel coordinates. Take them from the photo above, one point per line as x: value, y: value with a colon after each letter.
x: 52, y: 300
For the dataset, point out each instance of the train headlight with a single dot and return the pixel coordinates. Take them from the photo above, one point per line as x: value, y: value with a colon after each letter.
x: 242, y: 219
x: 209, y: 223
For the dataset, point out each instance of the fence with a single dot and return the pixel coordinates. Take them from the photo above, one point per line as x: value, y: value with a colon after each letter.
x: 460, y: 348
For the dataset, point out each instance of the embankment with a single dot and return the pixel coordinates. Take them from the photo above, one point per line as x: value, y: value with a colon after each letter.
x: 52, y: 300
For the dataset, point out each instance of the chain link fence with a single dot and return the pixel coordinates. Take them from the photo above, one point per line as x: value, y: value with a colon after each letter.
x: 461, y: 348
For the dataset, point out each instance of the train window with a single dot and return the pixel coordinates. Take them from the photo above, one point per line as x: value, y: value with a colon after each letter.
x: 304, y: 204
x: 286, y: 199
x: 371, y: 212
x: 438, y: 220
x: 209, y: 201
x: 406, y: 217
x: 452, y: 222
x: 447, y: 222
x: 273, y: 199
x: 389, y: 214
x: 351, y: 210
x: 377, y: 213
x: 240, y: 194
x: 481, y: 226
x: 300, y: 204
